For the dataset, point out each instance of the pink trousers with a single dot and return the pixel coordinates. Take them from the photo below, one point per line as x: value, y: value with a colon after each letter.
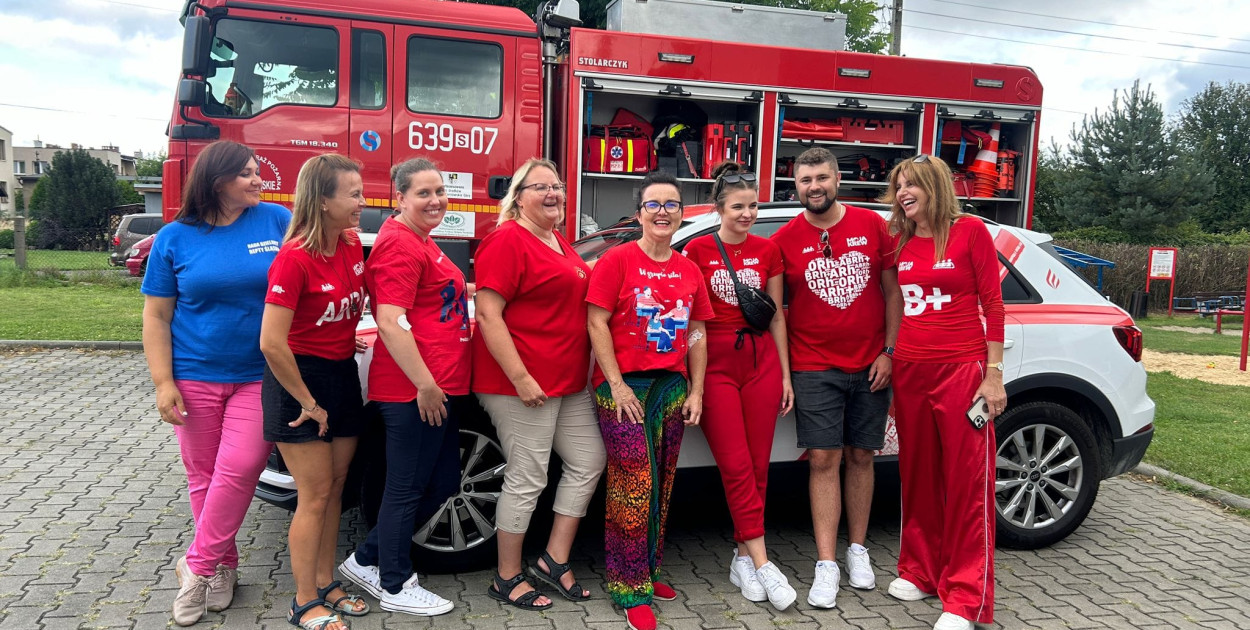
x: 224, y: 453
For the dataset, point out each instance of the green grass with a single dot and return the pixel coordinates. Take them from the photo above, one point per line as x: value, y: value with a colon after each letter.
x: 53, y: 259
x: 92, y: 312
x: 1188, y: 321
x: 1192, y: 343
x: 1201, y: 431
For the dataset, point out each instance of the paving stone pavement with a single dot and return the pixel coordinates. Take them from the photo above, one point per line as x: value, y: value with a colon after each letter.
x: 93, y: 514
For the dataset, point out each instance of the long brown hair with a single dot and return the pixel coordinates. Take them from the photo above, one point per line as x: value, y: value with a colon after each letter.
x: 933, y: 176
x: 318, y: 181
x: 218, y: 163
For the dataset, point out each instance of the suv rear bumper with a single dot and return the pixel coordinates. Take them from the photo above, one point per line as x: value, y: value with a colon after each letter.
x: 1127, y: 452
x: 277, y: 488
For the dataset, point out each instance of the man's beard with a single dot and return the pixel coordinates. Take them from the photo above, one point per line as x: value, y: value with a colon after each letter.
x: 819, y: 209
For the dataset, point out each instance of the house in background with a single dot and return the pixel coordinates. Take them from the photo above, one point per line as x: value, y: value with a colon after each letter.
x: 8, y: 178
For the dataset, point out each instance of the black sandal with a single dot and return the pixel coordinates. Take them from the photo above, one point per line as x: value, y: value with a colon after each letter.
x: 338, y: 606
x: 501, y: 588
x: 316, y: 623
x: 552, y: 576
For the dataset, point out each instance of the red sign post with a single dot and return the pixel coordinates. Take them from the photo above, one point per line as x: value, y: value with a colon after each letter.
x: 1163, y: 267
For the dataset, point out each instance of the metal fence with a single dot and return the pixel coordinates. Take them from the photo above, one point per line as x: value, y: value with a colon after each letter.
x: 62, y: 250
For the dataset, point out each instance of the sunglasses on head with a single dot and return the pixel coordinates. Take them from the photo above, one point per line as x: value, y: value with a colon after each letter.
x: 733, y: 178
x: 920, y: 159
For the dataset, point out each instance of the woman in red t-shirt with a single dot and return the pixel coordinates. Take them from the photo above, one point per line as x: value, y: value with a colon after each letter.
x: 311, y: 391
x: 946, y: 361
x: 646, y: 317
x: 419, y: 378
x: 748, y: 379
x: 530, y: 305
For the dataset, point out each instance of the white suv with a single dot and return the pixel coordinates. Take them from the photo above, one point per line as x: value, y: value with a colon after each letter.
x: 1077, y: 410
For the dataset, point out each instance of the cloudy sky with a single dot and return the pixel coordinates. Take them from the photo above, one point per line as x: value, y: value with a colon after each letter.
x: 103, y: 71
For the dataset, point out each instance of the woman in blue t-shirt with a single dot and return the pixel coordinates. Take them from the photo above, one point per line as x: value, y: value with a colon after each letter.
x: 205, y: 291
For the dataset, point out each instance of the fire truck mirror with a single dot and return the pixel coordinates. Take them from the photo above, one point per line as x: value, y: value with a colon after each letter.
x: 497, y: 186
x: 195, y: 46
x: 191, y: 92
x: 562, y: 13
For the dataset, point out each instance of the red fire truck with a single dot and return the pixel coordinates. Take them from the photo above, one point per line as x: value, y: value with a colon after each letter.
x: 481, y: 88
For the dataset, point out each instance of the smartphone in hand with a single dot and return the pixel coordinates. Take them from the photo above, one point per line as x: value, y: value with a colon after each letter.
x: 979, y: 413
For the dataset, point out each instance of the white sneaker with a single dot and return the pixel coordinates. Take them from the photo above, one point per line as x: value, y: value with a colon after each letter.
x: 742, y: 575
x: 951, y: 621
x: 368, y: 579
x: 859, y: 568
x: 906, y: 591
x: 780, y: 594
x: 824, y: 593
x: 415, y: 600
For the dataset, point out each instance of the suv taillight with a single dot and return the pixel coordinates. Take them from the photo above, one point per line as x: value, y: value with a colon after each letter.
x: 117, y: 240
x: 1130, y: 339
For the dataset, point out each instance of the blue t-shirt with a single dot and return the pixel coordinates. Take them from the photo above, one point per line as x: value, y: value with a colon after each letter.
x: 218, y: 278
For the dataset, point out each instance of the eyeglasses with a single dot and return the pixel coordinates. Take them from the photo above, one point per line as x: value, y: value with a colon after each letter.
x: 654, y: 206
x: 920, y: 159
x: 825, y: 250
x: 543, y: 189
x: 733, y: 178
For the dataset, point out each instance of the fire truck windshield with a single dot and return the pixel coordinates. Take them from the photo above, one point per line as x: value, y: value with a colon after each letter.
x: 257, y: 65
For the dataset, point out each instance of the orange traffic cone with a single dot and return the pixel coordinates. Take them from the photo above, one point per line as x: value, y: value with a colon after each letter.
x: 985, y: 167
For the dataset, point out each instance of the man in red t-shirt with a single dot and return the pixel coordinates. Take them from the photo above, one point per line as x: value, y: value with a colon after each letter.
x: 844, y: 313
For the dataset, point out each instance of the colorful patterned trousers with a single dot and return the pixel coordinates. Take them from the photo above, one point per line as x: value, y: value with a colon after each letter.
x: 642, y: 459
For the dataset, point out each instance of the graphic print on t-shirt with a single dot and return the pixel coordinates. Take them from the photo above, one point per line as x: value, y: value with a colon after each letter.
x: 839, y: 281
x: 454, y: 305
x: 660, y: 326
x: 723, y: 285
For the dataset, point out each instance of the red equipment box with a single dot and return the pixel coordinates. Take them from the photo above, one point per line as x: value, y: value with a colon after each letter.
x: 813, y: 129
x: 872, y: 130
x: 617, y: 154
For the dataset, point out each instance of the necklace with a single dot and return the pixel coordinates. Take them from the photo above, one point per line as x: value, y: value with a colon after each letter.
x: 664, y: 265
x: 353, y: 295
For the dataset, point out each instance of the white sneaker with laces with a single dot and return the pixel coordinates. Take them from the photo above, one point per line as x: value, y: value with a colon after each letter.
x: 367, y: 578
x: 742, y: 575
x: 415, y: 600
x: 951, y: 621
x: 824, y: 593
x: 906, y: 591
x: 859, y: 568
x: 780, y: 594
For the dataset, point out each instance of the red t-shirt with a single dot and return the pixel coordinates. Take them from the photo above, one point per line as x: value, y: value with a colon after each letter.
x: 545, y: 311
x: 327, y: 295
x: 756, y: 260
x: 652, y: 305
x: 942, y: 300
x: 836, y: 316
x: 413, y: 273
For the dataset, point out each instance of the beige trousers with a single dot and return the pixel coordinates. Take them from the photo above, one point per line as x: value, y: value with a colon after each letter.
x: 528, y: 434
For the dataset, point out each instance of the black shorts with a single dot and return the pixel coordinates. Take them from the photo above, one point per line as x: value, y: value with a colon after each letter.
x: 833, y: 409
x: 336, y: 387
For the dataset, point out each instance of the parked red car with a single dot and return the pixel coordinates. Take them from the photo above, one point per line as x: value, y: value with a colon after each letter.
x: 137, y: 256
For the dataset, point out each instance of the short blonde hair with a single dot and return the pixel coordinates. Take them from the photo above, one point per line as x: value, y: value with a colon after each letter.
x: 510, y: 205
x: 933, y: 176
x: 318, y: 180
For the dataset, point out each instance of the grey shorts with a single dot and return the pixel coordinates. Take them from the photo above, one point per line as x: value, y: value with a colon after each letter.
x: 833, y: 409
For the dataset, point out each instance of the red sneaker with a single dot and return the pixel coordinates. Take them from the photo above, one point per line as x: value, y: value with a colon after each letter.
x: 640, y: 618
x: 663, y: 592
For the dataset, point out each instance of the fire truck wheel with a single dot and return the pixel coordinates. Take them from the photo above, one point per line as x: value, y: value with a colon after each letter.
x: 1048, y: 472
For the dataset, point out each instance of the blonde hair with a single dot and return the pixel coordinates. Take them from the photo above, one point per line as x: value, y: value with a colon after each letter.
x: 318, y: 181
x: 933, y: 176
x: 510, y: 205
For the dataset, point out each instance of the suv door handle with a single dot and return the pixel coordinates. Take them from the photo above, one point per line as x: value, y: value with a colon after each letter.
x: 1007, y: 343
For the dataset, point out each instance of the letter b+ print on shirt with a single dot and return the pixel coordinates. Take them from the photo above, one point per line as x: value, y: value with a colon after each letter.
x: 915, y: 301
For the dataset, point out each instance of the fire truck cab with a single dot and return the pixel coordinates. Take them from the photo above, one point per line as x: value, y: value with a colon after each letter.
x: 479, y: 89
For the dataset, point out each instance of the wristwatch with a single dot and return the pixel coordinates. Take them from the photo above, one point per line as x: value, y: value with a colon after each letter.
x: 999, y: 366
x: 888, y: 351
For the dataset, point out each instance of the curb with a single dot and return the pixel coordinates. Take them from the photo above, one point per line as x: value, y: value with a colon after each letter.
x: 1201, y: 489
x: 77, y: 345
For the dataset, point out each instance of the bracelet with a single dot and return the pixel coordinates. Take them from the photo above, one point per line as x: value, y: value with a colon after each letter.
x: 314, y: 408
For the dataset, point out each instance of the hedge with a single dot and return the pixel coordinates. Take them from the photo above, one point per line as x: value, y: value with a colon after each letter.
x: 1199, y: 269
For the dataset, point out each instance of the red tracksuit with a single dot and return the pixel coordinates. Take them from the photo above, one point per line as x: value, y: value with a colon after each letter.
x: 742, y: 388
x: 947, y: 466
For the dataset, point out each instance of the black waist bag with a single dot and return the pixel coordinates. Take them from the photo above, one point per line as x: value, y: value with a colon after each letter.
x: 758, y: 308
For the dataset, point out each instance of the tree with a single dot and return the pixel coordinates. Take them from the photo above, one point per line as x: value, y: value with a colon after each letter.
x: 72, y: 202
x: 151, y: 166
x: 1213, y: 126
x: 1051, y: 169
x: 19, y: 203
x: 126, y: 192
x: 1126, y: 173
